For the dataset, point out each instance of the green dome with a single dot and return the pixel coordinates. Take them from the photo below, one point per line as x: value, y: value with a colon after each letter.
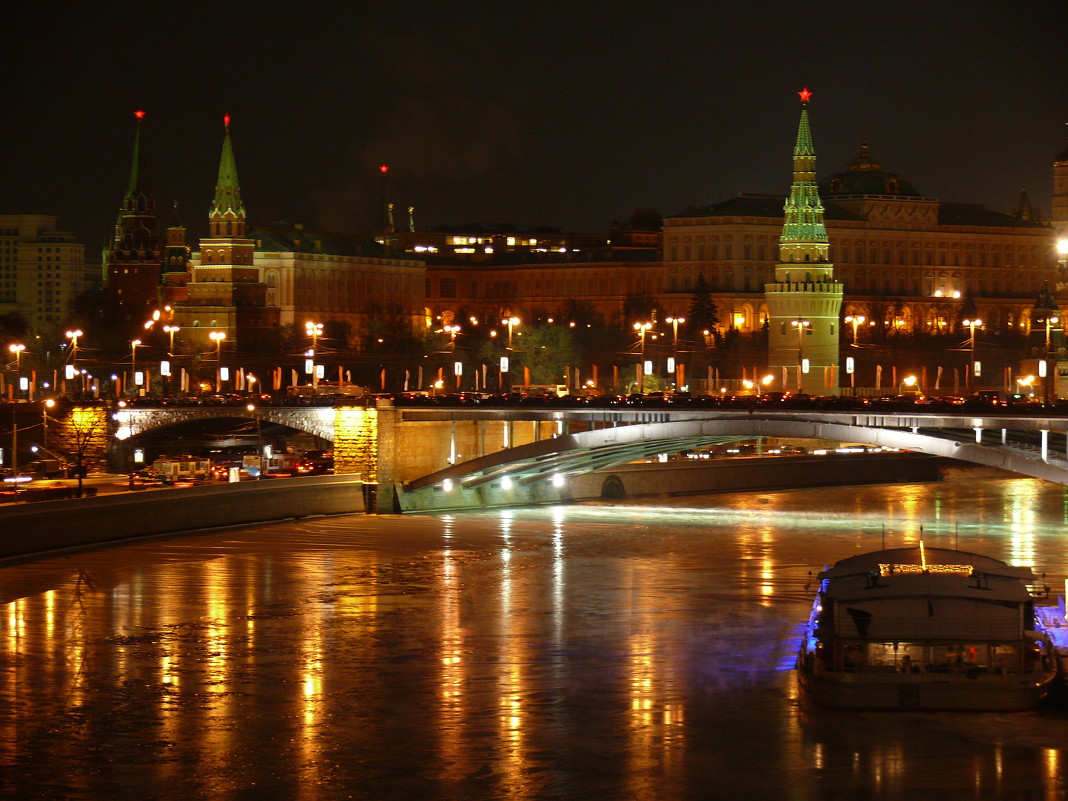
x: 865, y: 176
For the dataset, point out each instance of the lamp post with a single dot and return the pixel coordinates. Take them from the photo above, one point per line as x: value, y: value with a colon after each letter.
x: 73, y: 337
x: 800, y: 325
x: 218, y: 337
x: 133, y: 364
x: 314, y: 330
x: 971, y: 325
x: 17, y: 350
x: 47, y: 404
x: 675, y: 331
x: 855, y: 320
x: 1050, y: 321
x: 1062, y: 255
x: 259, y: 441
x: 511, y: 322
x: 171, y: 331
x: 452, y: 331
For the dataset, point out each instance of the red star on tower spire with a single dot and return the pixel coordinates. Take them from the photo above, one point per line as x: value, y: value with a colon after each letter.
x: 805, y: 95
x: 139, y: 114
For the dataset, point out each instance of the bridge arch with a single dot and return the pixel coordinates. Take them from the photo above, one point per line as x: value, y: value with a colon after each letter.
x: 535, y: 465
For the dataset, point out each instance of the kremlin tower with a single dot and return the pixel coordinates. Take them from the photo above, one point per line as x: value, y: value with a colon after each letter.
x: 132, y: 260
x: 225, y: 293
x: 805, y: 300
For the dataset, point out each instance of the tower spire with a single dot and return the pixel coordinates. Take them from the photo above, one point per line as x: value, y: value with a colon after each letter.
x: 805, y: 300
x: 134, y: 186
x: 227, y: 207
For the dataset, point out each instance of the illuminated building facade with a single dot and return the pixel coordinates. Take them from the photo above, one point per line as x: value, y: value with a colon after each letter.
x: 330, y: 278
x: 41, y: 270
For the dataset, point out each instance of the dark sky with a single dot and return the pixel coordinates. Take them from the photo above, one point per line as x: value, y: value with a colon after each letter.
x: 536, y: 113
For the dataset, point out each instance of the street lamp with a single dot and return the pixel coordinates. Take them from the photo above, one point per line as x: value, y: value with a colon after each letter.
x: 314, y: 330
x: 259, y: 440
x: 17, y: 350
x: 855, y: 320
x: 510, y: 322
x: 452, y: 331
x: 73, y: 337
x: 1062, y: 255
x: 971, y: 325
x: 675, y: 331
x: 800, y: 325
x: 171, y: 331
x: 1050, y: 321
x: 48, y: 404
x: 641, y: 328
x: 218, y: 337
x: 133, y: 363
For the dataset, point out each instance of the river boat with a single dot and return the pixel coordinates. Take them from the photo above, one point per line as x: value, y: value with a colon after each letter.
x: 926, y: 628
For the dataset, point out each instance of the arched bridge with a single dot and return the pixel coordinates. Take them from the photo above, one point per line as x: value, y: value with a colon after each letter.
x: 420, y: 455
x: 1025, y: 444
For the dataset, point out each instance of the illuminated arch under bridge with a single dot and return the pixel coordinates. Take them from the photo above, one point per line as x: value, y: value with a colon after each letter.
x: 134, y: 420
x: 537, y: 471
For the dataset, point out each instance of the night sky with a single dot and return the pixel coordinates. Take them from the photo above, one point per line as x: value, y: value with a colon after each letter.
x: 562, y: 114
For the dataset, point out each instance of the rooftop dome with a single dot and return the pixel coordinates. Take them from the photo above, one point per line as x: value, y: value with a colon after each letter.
x: 865, y: 176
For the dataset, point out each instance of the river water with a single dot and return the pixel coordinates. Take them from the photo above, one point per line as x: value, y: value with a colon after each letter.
x: 639, y: 651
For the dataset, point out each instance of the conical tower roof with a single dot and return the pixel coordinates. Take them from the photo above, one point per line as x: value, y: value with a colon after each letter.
x: 803, y: 226
x: 227, y: 190
x: 134, y: 186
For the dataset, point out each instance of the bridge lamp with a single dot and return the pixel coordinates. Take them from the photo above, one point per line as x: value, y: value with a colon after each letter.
x: 558, y: 480
x: 506, y: 483
x: 447, y: 485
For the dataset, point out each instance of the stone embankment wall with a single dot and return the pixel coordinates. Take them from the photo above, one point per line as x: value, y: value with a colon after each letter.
x: 49, y: 525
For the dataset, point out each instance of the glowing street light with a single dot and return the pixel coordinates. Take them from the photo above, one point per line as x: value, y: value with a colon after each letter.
x: 17, y: 350
x: 171, y: 331
x: 133, y: 363
x: 452, y: 331
x: 511, y: 322
x: 855, y: 320
x: 971, y: 325
x: 45, y: 406
x: 218, y: 337
x: 800, y: 325
x: 314, y: 330
x: 675, y: 331
x: 641, y: 328
x: 73, y: 337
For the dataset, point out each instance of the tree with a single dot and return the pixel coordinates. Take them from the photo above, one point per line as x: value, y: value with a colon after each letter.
x: 547, y: 350
x: 704, y: 316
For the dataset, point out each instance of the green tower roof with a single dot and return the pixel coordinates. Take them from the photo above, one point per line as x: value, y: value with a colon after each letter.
x: 227, y: 190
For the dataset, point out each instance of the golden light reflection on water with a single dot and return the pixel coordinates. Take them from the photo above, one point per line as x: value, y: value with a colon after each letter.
x: 451, y: 702
x: 1055, y: 778
x: 1023, y: 522
x: 510, y: 712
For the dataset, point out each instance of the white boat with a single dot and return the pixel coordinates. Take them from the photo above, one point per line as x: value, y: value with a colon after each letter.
x: 925, y: 628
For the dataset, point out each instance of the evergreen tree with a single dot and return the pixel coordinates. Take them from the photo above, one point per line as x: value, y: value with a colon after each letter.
x: 703, y: 313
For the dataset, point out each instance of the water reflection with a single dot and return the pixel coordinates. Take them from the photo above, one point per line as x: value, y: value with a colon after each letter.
x: 562, y: 652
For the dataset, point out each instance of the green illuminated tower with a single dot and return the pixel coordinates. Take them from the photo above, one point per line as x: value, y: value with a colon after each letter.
x: 804, y: 302
x: 225, y: 293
